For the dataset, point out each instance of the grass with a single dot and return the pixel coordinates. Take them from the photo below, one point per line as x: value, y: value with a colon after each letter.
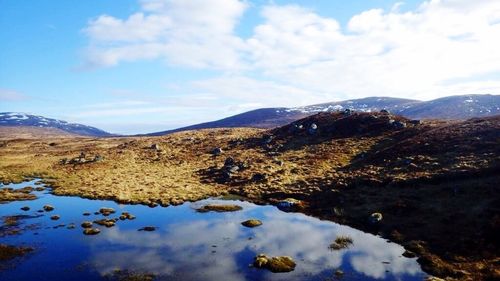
x: 341, y: 242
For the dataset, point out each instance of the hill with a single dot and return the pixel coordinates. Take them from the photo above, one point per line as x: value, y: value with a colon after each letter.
x: 453, y: 107
x: 14, y: 119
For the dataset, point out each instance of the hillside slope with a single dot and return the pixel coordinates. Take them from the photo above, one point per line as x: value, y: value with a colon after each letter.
x: 14, y: 119
x: 453, y: 107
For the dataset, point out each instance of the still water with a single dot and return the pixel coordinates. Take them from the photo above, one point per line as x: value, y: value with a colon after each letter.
x: 188, y: 245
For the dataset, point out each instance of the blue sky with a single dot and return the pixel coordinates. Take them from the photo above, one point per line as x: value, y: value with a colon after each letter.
x: 132, y: 66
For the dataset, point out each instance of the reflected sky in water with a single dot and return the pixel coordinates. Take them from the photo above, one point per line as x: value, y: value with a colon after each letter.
x: 196, y: 246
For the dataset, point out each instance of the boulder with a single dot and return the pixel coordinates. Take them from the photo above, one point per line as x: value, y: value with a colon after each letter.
x: 290, y: 204
x: 375, y: 218
x: 155, y: 146
x: 25, y: 208
x: 313, y: 129
x: 55, y: 217
x: 217, y: 151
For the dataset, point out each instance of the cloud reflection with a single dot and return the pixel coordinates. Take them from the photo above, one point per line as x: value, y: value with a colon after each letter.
x: 215, y: 246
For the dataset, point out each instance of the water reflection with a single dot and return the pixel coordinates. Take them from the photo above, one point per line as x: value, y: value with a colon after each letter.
x: 209, y: 246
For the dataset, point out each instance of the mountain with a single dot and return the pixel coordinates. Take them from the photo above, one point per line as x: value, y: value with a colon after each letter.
x: 14, y: 119
x: 452, y: 107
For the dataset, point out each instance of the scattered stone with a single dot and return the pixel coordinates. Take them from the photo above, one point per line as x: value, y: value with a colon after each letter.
x: 106, y: 211
x: 98, y: 158
x: 409, y: 254
x: 55, y: 217
x: 126, y: 216
x: 375, y: 218
x: 290, y: 204
x: 415, y: 122
x: 341, y: 242
x: 385, y: 111
x: 274, y: 264
x: 229, y: 162
x: 267, y: 139
x: 258, y: 177
x: 86, y: 214
x: 155, y: 146
x: 219, y: 208
x: 105, y: 222
x: 91, y: 231
x: 48, y: 208
x: 148, y: 228
x: 25, y: 208
x: 313, y: 129
x: 347, y: 112
x: 71, y: 226
x: 217, y: 151
x: 252, y: 223
x: 339, y: 273
x: 86, y: 224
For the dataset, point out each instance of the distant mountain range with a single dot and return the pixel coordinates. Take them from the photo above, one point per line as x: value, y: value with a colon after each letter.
x: 14, y: 119
x: 452, y: 107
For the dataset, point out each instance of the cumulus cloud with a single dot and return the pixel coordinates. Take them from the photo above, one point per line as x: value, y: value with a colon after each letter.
x: 301, y: 55
x: 196, y: 33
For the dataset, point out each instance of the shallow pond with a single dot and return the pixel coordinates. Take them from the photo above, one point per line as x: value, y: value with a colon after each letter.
x: 189, y: 245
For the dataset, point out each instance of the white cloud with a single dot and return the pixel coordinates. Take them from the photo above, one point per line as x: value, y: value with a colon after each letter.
x: 303, y: 57
x: 196, y: 33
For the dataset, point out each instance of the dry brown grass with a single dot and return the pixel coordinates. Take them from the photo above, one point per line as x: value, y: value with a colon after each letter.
x: 414, y: 177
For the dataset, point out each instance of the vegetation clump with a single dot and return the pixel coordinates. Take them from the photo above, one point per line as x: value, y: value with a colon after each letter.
x: 275, y: 264
x: 341, y: 242
x: 252, y: 223
x: 219, y: 208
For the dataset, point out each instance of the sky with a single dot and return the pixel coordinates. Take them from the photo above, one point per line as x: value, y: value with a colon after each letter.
x: 138, y: 66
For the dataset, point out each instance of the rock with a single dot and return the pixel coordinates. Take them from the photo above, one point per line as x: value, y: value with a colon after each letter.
x: 105, y: 222
x: 233, y: 169
x: 375, y: 218
x: 415, y: 122
x: 339, y: 273
x: 274, y: 264
x: 385, y: 111
x: 86, y: 224
x: 126, y: 215
x: 39, y: 188
x: 409, y: 254
x: 258, y: 177
x: 313, y: 128
x: 48, y: 208
x: 71, y: 226
x: 290, y: 204
x: 217, y: 151
x: 229, y: 162
x: 148, y: 228
x: 155, y: 146
x: 219, y: 208
x: 347, y: 112
x: 267, y: 139
x: 98, y: 158
x: 399, y: 124
x: 86, y: 214
x: 106, y: 211
x: 91, y: 231
x: 55, y: 217
x: 25, y: 208
x: 252, y: 223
